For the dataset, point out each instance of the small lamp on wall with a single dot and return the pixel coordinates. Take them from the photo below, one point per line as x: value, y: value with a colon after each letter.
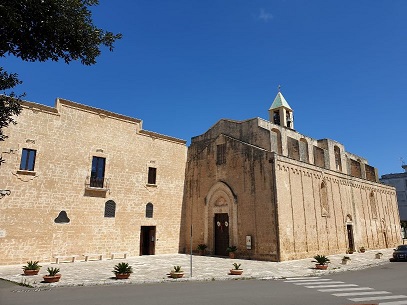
x: 4, y: 193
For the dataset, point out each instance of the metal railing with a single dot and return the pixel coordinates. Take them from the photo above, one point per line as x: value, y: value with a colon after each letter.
x: 97, y: 183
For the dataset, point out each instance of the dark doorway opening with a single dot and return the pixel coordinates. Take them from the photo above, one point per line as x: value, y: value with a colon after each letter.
x: 349, y: 229
x: 147, y: 240
x: 221, y: 226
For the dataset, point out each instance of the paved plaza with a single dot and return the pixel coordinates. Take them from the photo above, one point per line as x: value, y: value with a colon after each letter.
x: 155, y: 268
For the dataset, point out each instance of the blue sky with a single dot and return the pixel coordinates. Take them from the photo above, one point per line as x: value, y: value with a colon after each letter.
x: 184, y: 64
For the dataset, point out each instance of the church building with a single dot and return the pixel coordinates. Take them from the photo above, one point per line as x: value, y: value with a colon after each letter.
x: 279, y: 195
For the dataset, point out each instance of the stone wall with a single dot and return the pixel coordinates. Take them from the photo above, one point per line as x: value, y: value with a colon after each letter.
x: 66, y: 139
x: 307, y: 228
x: 242, y: 187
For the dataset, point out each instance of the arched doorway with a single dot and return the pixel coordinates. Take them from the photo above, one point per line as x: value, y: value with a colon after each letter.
x: 349, y: 232
x: 220, y: 218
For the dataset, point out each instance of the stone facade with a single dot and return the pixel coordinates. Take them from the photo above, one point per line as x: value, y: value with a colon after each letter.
x: 130, y: 202
x: 279, y: 195
x: 399, y: 181
x: 85, y: 180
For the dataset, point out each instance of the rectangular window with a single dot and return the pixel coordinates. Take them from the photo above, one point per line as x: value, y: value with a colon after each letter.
x: 28, y: 159
x: 97, y: 174
x: 221, y: 154
x: 152, y: 175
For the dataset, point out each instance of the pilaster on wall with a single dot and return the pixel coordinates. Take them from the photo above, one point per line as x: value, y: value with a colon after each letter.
x: 307, y: 228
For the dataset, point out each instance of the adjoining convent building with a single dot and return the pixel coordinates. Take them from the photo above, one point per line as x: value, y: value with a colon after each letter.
x: 80, y: 180
x: 279, y: 195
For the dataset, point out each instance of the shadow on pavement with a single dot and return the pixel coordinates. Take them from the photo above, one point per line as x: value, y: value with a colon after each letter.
x: 7, y: 284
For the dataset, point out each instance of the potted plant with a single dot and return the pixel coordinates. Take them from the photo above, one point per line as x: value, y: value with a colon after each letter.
x: 236, y: 269
x: 32, y: 268
x: 231, y: 251
x: 349, y: 251
x: 362, y: 249
x: 176, y: 272
x: 53, y: 275
x: 122, y: 271
x: 201, y: 249
x: 322, y: 262
x: 346, y: 260
x: 379, y: 255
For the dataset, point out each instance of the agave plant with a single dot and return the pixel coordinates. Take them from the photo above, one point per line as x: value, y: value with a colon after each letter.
x: 177, y: 269
x: 122, y: 268
x: 237, y: 266
x: 202, y: 247
x: 52, y: 271
x: 32, y: 265
x: 231, y: 249
x: 321, y: 259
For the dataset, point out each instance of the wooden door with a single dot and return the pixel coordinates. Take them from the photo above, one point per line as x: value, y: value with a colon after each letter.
x: 221, y: 226
x: 147, y: 240
x: 350, y: 237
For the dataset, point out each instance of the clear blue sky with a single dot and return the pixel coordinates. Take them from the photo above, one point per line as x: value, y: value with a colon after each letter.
x: 184, y: 64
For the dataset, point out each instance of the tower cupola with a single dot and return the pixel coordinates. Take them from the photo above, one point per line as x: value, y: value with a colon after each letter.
x: 280, y: 113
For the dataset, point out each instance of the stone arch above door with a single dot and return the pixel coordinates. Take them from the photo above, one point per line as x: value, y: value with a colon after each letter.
x: 220, y: 199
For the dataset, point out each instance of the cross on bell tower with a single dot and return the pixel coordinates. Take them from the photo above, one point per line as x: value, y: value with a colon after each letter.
x: 280, y: 113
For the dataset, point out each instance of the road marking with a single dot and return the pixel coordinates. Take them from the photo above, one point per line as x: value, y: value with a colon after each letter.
x: 332, y: 286
x: 317, y: 283
x: 378, y: 298
x: 313, y: 280
x: 345, y: 289
x: 347, y: 294
x: 394, y: 303
x: 302, y: 278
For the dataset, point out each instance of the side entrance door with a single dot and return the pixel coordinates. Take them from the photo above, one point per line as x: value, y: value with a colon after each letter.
x: 221, y: 226
x: 147, y: 240
x: 349, y: 229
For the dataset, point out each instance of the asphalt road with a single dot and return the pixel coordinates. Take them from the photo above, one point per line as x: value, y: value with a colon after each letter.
x: 389, y: 277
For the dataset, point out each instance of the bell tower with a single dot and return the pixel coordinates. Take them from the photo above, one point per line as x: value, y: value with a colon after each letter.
x: 280, y: 113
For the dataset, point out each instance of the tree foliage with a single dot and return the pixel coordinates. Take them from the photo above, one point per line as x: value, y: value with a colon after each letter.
x: 9, y: 104
x: 41, y: 30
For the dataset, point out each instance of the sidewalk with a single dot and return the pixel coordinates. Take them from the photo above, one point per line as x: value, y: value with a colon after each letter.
x: 154, y: 269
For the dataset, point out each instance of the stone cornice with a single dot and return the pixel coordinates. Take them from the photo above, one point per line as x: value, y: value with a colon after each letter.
x: 286, y: 164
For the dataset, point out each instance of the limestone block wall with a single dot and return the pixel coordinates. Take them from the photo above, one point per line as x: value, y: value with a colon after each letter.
x: 315, y: 205
x: 66, y: 139
x: 247, y: 178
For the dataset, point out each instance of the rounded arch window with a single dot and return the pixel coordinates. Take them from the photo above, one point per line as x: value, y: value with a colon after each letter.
x: 324, y: 200
x: 149, y: 210
x: 110, y: 209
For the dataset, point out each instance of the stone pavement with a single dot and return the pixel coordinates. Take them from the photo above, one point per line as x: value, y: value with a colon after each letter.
x: 154, y: 269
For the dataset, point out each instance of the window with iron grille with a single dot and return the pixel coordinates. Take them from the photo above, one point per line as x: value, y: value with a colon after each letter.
x: 152, y: 175
x: 149, y: 210
x: 28, y: 159
x: 221, y: 154
x: 110, y: 208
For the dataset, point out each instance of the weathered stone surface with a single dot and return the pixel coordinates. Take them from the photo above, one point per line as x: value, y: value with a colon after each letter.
x: 66, y: 139
x: 293, y: 195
